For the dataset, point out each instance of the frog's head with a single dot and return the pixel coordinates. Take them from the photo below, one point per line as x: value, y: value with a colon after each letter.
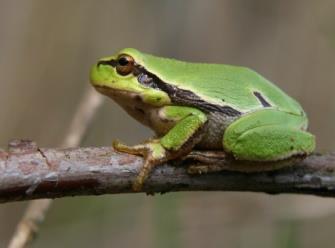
x: 124, y: 75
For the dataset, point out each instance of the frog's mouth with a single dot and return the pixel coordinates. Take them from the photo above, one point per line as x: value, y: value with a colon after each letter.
x: 110, y: 91
x: 117, y: 94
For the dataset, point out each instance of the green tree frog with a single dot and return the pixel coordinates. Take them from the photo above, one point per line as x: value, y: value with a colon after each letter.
x: 204, y: 106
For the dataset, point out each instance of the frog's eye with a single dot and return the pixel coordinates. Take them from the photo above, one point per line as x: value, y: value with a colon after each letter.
x: 125, y: 64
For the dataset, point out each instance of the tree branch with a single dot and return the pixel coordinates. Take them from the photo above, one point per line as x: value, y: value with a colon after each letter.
x: 34, y: 215
x: 28, y: 172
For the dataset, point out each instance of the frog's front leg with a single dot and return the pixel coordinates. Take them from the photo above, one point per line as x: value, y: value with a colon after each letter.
x: 177, y: 142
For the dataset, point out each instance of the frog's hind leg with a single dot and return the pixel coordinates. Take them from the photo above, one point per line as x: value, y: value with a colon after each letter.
x: 268, y: 136
x: 264, y: 140
x: 271, y: 143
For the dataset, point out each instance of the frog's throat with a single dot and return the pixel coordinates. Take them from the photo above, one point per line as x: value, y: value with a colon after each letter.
x: 177, y: 95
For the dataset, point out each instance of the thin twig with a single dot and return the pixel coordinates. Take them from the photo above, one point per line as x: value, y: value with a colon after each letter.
x: 51, y: 173
x: 28, y: 226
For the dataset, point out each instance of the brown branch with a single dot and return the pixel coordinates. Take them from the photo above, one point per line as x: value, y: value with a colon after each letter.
x: 29, y: 173
x: 34, y: 215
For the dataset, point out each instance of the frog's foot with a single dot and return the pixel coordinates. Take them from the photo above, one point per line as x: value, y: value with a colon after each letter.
x: 152, y: 152
x: 207, y: 157
x: 202, y: 162
x: 206, y: 161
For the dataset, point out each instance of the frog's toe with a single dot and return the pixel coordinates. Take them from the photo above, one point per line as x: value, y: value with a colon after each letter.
x: 153, y: 154
x: 207, y: 157
x: 140, y: 149
x: 143, y: 174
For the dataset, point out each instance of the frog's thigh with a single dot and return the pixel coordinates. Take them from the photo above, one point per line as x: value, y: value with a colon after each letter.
x: 273, y: 139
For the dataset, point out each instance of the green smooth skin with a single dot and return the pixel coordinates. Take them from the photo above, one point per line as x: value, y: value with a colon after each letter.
x: 270, y: 131
x: 278, y: 135
x: 189, y: 121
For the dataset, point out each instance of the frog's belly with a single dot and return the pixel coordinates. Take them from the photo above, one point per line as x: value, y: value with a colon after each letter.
x: 212, y: 133
x: 214, y: 130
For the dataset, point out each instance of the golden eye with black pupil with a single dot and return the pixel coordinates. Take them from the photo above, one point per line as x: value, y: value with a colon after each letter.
x: 125, y: 64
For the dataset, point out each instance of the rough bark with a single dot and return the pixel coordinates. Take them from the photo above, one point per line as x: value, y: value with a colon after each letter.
x: 28, y: 172
x: 29, y: 225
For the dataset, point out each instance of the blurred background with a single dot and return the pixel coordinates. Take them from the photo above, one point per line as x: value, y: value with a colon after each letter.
x: 46, y: 50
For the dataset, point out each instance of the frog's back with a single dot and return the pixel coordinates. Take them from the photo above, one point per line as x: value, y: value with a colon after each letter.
x: 238, y: 88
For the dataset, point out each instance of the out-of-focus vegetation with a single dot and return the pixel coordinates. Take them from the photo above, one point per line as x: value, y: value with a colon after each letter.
x: 46, y: 50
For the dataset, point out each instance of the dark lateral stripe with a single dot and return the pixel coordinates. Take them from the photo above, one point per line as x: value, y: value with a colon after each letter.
x: 180, y: 96
x: 111, y: 62
x: 261, y: 99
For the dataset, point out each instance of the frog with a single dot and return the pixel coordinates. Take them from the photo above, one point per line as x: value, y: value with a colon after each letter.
x: 203, y: 106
